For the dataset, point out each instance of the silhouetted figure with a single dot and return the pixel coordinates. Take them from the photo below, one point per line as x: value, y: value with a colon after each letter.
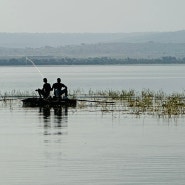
x: 59, y: 89
x: 45, y: 91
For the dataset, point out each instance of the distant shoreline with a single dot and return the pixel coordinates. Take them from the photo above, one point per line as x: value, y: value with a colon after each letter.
x: 21, y: 61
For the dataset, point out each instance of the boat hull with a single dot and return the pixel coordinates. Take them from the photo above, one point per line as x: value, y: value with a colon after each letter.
x: 40, y: 102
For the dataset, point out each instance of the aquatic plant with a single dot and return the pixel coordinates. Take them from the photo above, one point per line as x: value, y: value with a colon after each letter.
x: 125, y: 101
x: 14, y: 94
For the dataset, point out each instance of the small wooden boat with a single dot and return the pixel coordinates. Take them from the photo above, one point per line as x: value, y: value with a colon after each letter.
x: 51, y: 102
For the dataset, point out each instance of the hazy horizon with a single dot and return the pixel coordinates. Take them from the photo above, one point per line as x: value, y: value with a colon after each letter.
x: 134, y: 32
x: 91, y: 16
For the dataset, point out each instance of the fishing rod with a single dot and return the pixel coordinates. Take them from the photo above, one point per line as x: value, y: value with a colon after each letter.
x: 28, y: 59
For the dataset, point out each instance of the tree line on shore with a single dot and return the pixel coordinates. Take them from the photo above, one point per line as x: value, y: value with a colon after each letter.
x: 88, y: 61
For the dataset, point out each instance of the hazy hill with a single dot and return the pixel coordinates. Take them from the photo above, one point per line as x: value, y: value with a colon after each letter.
x: 117, y: 45
x: 37, y: 40
x: 116, y: 50
x: 161, y: 37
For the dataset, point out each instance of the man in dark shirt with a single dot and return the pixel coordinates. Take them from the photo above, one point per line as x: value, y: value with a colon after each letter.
x: 59, y: 89
x: 45, y: 91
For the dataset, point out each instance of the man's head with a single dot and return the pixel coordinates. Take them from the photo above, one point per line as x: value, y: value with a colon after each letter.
x: 58, y: 80
x: 45, y: 80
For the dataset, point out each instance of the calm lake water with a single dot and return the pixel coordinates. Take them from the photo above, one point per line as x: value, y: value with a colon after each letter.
x: 168, y: 78
x: 84, y: 146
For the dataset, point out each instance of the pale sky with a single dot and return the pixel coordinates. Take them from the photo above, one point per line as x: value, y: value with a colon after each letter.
x: 102, y: 16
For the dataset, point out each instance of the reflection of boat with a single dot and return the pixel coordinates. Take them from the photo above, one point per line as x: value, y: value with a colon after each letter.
x: 52, y: 102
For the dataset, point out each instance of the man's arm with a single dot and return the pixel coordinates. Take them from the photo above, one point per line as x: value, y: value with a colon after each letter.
x: 64, y: 86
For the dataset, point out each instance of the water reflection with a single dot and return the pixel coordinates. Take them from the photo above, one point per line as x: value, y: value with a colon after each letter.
x: 54, y: 120
x: 46, y: 113
x: 61, y: 116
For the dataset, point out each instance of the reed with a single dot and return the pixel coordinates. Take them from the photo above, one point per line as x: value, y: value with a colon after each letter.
x: 16, y: 94
x: 144, y: 102
x: 125, y: 101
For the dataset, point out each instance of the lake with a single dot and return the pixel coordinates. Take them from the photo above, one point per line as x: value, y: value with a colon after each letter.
x: 84, y: 145
x: 168, y: 78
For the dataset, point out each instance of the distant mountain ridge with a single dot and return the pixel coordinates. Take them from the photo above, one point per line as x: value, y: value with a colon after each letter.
x: 159, y: 37
x: 37, y: 40
x: 112, y: 50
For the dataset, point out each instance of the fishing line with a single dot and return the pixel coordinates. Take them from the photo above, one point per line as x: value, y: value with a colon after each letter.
x: 35, y: 66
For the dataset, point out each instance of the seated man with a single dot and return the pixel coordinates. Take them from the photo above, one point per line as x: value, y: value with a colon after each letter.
x: 45, y: 91
x: 59, y: 89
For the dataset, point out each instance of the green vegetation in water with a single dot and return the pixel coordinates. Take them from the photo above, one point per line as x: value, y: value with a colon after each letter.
x: 123, y: 101
x: 14, y: 94
x: 144, y: 102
